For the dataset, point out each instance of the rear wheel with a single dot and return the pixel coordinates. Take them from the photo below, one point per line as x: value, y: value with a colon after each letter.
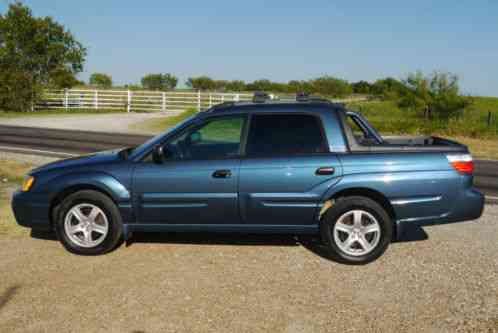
x: 357, y: 230
x: 89, y: 223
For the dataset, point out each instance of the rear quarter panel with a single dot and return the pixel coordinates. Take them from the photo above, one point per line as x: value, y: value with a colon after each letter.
x: 418, y: 185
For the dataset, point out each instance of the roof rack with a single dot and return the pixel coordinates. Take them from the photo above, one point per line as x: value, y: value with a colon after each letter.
x: 305, y: 97
x: 261, y: 97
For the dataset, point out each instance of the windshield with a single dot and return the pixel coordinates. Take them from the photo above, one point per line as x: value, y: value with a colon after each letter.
x: 157, y: 139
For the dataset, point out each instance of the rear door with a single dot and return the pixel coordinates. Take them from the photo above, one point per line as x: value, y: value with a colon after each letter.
x: 286, y: 169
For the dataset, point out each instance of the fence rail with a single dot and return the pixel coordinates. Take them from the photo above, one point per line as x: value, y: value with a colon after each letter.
x: 136, y: 101
x: 144, y: 101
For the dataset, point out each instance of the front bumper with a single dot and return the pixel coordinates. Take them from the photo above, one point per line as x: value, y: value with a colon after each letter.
x: 469, y: 206
x: 31, y: 210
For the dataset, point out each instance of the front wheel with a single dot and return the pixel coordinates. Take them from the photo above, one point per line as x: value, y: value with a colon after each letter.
x: 89, y: 223
x: 357, y: 230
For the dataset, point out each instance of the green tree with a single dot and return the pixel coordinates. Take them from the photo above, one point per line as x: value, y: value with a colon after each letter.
x: 201, y: 83
x: 389, y: 88
x: 220, y: 85
x: 438, y: 93
x: 295, y: 86
x: 38, y: 51
x: 361, y: 87
x: 63, y: 78
x: 236, y: 85
x: 331, y: 86
x: 260, y: 85
x: 101, y: 80
x: 162, y: 82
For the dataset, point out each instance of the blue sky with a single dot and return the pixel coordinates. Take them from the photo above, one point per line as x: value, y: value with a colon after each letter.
x: 284, y: 40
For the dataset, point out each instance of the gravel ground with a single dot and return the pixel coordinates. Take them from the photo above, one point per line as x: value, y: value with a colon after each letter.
x: 227, y: 283
x: 108, y: 122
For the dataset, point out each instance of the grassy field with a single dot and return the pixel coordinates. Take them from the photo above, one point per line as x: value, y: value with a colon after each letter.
x: 388, y: 118
x: 159, y: 125
x: 470, y: 128
x: 11, y: 176
x: 58, y: 112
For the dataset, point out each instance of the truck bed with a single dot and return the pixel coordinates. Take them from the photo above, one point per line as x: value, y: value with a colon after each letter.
x: 394, y: 143
x: 409, y: 144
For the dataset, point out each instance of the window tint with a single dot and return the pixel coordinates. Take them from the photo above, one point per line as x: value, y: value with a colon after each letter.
x: 218, y: 138
x: 285, y: 135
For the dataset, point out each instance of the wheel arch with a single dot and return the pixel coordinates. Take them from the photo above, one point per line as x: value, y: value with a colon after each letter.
x: 65, y: 192
x: 372, y: 194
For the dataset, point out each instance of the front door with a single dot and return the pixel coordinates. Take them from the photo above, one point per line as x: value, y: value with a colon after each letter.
x: 197, y: 182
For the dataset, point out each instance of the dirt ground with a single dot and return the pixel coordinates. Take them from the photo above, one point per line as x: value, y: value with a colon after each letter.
x: 106, y: 122
x: 229, y: 283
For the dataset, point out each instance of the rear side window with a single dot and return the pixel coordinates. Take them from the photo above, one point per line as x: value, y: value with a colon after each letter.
x: 285, y: 135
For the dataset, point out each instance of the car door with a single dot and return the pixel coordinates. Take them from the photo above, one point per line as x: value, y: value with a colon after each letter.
x: 197, y: 181
x: 286, y: 170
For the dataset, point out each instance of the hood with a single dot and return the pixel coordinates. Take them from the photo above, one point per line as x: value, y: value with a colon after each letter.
x: 85, y: 160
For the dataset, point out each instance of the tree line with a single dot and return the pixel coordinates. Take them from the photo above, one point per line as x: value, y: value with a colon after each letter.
x: 38, y: 53
x: 436, y: 94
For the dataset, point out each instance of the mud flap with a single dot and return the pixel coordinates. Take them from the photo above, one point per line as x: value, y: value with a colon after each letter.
x: 127, y: 233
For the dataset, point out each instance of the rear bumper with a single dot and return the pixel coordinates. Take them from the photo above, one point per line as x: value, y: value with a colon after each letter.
x: 31, y: 210
x: 469, y: 206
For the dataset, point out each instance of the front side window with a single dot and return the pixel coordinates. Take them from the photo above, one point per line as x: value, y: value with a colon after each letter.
x: 216, y: 139
x: 285, y: 135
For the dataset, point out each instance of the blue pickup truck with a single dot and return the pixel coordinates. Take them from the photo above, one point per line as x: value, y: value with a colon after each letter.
x: 307, y: 167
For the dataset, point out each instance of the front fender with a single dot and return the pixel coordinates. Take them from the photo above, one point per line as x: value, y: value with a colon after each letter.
x: 105, y: 182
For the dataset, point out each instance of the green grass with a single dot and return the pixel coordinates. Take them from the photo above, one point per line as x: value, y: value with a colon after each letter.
x: 58, y: 112
x: 11, y: 175
x: 227, y: 130
x: 470, y: 128
x: 158, y: 125
x: 388, y: 118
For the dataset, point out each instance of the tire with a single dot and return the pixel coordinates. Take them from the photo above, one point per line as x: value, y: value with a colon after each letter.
x: 101, y: 229
x: 356, y: 243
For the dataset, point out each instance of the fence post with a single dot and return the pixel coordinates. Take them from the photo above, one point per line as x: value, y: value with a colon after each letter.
x: 489, y: 118
x: 237, y: 97
x: 210, y: 100
x: 222, y: 98
x: 96, y: 99
x: 164, y: 101
x: 199, y: 100
x: 128, y: 105
x: 66, y: 97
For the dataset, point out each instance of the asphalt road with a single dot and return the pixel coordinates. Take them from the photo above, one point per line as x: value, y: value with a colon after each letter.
x: 67, y: 143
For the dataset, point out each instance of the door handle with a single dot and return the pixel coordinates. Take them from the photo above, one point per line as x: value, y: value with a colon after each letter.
x: 222, y: 174
x: 325, y: 171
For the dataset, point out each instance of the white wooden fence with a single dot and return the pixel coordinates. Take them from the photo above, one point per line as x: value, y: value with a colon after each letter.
x: 145, y: 101
x: 136, y: 100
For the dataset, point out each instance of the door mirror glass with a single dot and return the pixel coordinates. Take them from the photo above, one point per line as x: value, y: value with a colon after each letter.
x: 158, y: 155
x: 195, y: 137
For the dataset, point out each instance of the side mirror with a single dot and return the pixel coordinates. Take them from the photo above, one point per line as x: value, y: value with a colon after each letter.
x: 195, y: 137
x: 158, y: 154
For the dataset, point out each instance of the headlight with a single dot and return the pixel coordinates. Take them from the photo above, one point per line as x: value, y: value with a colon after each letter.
x: 28, y: 182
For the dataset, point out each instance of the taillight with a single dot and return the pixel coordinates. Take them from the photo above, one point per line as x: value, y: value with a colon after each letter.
x: 462, y: 163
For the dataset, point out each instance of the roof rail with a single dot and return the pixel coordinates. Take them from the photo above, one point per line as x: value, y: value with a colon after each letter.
x: 261, y: 97
x: 305, y: 97
x: 223, y: 105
